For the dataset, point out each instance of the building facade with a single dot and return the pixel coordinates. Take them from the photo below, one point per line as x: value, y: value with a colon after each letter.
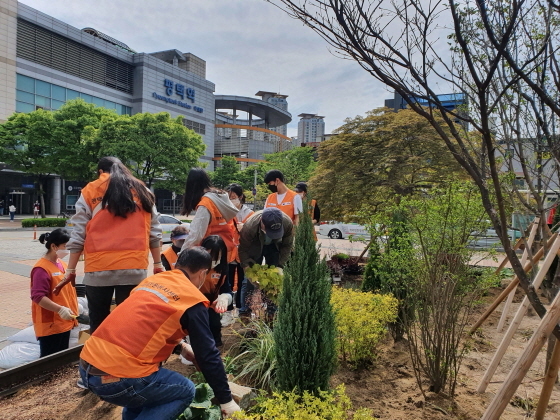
x: 279, y: 101
x: 45, y: 62
x: 310, y: 128
x: 245, y: 128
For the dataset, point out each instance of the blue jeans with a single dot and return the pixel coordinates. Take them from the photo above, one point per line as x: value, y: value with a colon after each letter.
x: 163, y: 395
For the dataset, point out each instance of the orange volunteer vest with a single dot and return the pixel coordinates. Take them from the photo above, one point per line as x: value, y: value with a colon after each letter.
x: 171, y: 257
x: 47, y: 322
x: 218, y: 225
x: 287, y: 205
x: 212, y: 284
x: 114, y: 243
x: 142, y: 331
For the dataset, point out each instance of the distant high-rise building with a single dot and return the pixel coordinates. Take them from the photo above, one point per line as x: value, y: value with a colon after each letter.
x: 450, y: 101
x: 279, y: 101
x: 310, y: 127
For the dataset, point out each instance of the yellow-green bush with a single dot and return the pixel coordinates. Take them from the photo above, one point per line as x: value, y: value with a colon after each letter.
x: 361, y: 319
x: 333, y: 405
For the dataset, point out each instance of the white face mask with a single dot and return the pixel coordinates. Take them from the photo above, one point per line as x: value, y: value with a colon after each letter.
x: 215, y: 264
x: 62, y: 253
x: 236, y: 202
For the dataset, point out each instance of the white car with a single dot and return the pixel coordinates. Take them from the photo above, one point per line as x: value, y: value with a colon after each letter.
x: 337, y: 230
x: 166, y: 221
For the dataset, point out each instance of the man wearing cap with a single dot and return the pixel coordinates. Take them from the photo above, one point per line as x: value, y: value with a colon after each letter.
x: 169, y: 256
x: 267, y: 234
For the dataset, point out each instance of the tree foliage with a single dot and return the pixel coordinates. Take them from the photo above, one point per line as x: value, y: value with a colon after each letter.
x: 404, y: 44
x: 304, y: 331
x: 227, y: 173
x: 374, y: 160
x: 153, y: 146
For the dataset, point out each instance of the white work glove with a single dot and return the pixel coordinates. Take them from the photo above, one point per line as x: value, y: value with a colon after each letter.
x: 280, y: 271
x: 66, y: 313
x: 229, y: 408
x: 223, y: 301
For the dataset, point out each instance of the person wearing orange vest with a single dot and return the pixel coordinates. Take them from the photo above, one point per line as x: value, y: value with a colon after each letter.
x: 237, y: 197
x: 214, y: 211
x: 216, y: 287
x: 53, y: 315
x: 282, y: 197
x: 115, y: 225
x: 169, y: 256
x: 121, y: 361
x: 314, y: 211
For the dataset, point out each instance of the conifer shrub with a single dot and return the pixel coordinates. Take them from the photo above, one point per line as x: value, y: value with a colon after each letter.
x: 304, y: 331
x: 361, y: 321
x: 335, y: 405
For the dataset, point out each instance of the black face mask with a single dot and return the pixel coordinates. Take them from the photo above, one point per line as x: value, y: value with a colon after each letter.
x: 273, y: 188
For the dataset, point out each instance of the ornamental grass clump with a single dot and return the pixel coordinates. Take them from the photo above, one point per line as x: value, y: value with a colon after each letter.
x: 361, y: 321
x: 257, y: 357
x: 335, y: 405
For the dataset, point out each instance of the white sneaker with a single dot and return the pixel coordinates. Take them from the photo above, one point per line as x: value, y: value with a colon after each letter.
x: 81, y: 384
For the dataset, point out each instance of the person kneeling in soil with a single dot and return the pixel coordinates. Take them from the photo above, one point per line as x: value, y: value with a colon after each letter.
x: 120, y: 362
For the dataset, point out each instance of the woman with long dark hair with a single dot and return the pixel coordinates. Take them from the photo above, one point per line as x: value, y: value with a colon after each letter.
x: 214, y: 211
x: 216, y: 287
x: 53, y: 315
x: 115, y: 225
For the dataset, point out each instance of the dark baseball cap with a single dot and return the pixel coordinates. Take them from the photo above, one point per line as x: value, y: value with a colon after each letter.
x: 272, y: 221
x: 301, y: 187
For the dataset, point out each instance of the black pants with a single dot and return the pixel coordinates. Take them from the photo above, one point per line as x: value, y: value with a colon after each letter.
x: 236, y: 268
x: 50, y: 344
x: 215, y: 326
x: 99, y: 301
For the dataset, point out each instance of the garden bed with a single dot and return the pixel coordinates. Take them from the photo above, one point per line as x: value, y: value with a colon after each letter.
x: 388, y: 387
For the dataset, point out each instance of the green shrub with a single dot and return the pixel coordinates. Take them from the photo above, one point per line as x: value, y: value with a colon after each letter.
x: 304, y: 331
x: 257, y: 357
x: 361, y: 320
x: 45, y: 222
x: 290, y: 406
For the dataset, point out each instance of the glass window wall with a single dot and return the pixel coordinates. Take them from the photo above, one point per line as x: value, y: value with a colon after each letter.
x: 32, y: 94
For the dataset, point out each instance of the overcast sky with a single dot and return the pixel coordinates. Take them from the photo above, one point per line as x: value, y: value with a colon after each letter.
x: 248, y: 45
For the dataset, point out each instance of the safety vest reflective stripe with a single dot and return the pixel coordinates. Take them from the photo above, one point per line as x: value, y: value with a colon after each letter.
x: 114, y: 243
x: 171, y: 257
x: 142, y: 331
x: 287, y: 205
x: 47, y: 322
x: 218, y: 225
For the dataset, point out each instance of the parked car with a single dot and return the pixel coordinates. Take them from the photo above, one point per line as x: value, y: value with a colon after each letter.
x: 167, y: 224
x: 338, y: 230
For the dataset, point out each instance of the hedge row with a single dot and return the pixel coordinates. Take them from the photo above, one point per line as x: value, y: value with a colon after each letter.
x: 46, y: 222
